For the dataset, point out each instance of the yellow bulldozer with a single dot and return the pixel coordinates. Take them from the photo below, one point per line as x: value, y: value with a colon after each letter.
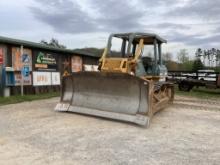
x: 129, y: 86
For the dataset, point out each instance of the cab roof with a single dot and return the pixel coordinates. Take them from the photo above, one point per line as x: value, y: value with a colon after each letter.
x: 148, y: 37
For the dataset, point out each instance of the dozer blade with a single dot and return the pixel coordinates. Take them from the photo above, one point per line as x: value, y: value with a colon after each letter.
x: 110, y: 95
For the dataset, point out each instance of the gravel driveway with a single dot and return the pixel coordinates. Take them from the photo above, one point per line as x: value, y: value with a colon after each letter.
x: 186, y: 133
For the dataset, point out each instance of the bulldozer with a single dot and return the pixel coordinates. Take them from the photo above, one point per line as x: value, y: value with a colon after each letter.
x: 129, y: 86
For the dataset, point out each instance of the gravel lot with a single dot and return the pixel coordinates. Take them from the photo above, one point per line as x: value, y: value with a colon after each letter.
x: 186, y: 133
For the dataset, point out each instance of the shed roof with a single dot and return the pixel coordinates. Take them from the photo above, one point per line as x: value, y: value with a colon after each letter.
x: 6, y: 40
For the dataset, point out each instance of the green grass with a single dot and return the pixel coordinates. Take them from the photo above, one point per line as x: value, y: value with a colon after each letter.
x: 200, y: 92
x: 18, y: 98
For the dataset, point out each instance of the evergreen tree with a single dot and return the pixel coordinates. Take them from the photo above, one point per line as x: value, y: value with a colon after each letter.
x: 197, y: 65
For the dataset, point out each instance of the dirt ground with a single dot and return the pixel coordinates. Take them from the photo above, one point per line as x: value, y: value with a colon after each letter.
x: 186, y: 133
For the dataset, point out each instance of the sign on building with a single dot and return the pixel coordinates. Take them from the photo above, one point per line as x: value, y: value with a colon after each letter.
x: 41, y: 78
x: 76, y: 64
x: 1, y: 56
x: 45, y: 61
x: 18, y: 78
x: 46, y: 78
x: 55, y: 78
x: 25, y: 71
x: 18, y: 60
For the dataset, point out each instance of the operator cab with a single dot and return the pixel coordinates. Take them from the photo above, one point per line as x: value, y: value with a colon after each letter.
x: 126, y: 45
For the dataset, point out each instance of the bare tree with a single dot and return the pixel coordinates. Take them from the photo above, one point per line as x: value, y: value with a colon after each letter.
x: 212, y: 56
x: 167, y: 56
x: 183, y: 56
x: 53, y: 43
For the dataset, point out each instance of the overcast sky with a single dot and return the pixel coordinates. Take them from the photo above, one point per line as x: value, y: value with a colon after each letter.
x: 87, y: 23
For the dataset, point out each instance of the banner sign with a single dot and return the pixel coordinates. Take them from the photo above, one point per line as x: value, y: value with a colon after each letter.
x: 41, y: 78
x: 26, y: 79
x: 76, y: 64
x: 55, y: 78
x: 1, y: 56
x: 46, y: 78
x: 45, y: 61
x: 18, y: 60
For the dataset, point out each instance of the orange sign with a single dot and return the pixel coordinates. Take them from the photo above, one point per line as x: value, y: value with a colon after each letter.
x: 18, y: 60
x: 76, y: 62
x: 41, y: 66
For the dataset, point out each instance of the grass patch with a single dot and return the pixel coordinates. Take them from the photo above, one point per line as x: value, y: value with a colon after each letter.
x: 200, y: 92
x: 18, y: 98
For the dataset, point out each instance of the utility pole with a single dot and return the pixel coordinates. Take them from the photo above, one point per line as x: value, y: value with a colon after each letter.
x: 22, y: 79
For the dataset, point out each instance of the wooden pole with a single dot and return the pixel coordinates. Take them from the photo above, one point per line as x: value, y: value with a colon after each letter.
x: 22, y: 79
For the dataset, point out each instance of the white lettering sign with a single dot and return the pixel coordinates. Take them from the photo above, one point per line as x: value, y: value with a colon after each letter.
x: 41, y: 78
x: 55, y: 78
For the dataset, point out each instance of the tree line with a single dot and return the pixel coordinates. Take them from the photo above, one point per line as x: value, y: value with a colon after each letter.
x: 184, y: 62
x: 202, y: 59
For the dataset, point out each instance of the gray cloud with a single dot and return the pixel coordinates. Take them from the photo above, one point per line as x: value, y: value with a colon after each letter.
x: 204, y: 9
x: 67, y: 16
x: 194, y: 40
x: 173, y: 26
x: 217, y: 29
x: 149, y: 3
x: 118, y: 15
x: 64, y: 16
x: 209, y: 41
x: 180, y: 37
